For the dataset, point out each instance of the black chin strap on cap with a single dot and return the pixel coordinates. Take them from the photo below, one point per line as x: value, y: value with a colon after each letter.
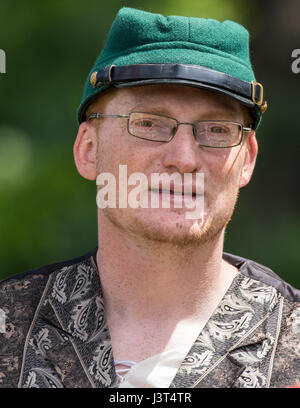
x: 249, y: 94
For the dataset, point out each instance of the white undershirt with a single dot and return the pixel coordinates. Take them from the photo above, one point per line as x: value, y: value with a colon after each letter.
x: 158, y: 371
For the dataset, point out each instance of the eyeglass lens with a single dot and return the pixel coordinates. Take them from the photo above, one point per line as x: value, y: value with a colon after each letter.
x: 161, y: 128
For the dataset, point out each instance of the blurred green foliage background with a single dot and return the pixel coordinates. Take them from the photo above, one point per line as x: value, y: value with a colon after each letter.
x: 48, y: 212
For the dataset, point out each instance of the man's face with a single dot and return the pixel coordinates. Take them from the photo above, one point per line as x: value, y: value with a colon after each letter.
x: 223, y: 168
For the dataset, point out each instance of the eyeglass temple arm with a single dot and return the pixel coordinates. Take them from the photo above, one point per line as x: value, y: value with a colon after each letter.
x: 102, y: 115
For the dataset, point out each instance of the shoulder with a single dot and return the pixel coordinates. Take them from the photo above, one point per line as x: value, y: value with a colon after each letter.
x: 27, y: 287
x: 283, y: 324
x: 20, y: 296
x: 46, y: 270
x: 264, y: 275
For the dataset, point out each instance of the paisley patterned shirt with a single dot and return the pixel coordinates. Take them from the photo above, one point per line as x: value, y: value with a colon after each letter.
x: 54, y: 332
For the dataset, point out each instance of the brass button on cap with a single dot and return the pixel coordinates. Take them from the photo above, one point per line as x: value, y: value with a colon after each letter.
x: 93, y: 78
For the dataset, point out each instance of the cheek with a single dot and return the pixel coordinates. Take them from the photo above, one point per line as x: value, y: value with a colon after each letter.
x: 112, y: 150
x: 118, y: 148
x: 222, y: 170
x: 217, y: 162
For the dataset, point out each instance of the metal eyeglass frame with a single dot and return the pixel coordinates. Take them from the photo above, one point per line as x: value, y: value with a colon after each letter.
x: 243, y: 129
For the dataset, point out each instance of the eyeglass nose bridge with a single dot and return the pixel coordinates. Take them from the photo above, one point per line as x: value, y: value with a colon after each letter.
x: 184, y: 123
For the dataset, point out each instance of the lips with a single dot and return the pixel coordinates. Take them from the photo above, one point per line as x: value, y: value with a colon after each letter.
x: 178, y: 191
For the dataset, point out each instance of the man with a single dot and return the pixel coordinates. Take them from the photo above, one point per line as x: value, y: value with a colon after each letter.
x: 158, y: 303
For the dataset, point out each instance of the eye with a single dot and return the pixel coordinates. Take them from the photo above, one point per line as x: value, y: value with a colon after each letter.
x: 213, y: 128
x: 145, y: 123
x: 150, y: 125
x: 218, y: 129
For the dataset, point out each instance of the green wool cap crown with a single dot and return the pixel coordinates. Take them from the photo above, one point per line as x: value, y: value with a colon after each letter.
x: 140, y: 37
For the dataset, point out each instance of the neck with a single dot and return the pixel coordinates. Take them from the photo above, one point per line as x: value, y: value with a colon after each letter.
x: 146, y: 280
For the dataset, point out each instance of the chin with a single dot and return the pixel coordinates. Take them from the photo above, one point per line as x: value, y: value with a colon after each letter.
x: 169, y: 227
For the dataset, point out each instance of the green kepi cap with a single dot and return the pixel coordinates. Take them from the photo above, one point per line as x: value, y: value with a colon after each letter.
x: 145, y: 48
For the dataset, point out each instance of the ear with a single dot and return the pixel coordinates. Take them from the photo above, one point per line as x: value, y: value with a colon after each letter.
x: 85, y: 151
x: 250, y: 154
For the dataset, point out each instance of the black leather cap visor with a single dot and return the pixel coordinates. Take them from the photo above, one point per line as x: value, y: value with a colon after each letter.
x: 249, y: 94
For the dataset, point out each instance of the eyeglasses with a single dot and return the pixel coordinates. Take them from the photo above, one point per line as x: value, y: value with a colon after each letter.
x: 160, y: 128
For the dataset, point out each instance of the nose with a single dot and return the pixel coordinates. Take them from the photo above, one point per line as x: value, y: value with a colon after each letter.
x: 183, y: 152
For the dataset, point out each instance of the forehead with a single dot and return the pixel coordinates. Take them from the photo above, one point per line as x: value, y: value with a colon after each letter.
x: 165, y: 97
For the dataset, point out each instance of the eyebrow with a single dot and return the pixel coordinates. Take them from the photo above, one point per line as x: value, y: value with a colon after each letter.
x: 164, y: 110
